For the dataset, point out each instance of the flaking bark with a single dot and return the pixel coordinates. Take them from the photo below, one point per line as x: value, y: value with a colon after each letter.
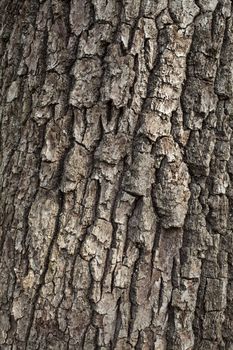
x: 116, y: 174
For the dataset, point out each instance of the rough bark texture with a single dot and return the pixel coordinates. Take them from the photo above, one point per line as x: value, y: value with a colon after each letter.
x: 116, y: 174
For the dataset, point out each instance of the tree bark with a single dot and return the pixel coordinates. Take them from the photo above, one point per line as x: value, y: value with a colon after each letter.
x: 116, y: 174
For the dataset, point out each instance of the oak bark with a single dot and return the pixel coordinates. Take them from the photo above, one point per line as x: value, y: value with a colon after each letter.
x: 116, y: 174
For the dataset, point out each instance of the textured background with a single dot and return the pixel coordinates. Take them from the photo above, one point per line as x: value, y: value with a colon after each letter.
x: 116, y: 174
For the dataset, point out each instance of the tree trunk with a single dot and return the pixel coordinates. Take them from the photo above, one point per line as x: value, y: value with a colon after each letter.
x: 116, y: 174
